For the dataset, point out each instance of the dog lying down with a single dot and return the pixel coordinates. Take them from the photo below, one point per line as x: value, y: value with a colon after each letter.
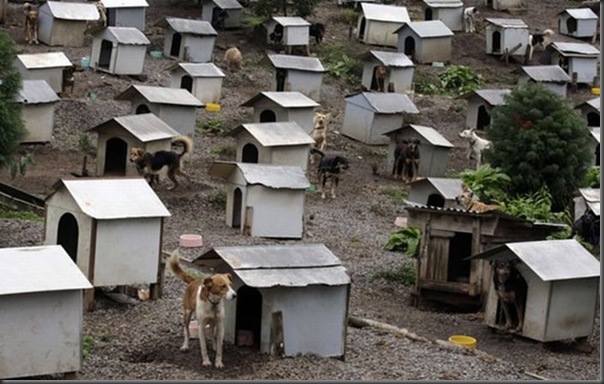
x: 467, y: 202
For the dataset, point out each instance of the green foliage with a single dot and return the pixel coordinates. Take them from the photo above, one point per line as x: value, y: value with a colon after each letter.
x: 339, y: 63
x: 20, y: 215
x: 225, y: 152
x: 87, y: 344
x: 213, y: 126
x: 265, y: 8
x: 19, y: 166
x: 396, y: 194
x: 268, y: 8
x: 406, y: 275
x: 404, y: 240
x: 458, y: 79
x: 488, y: 183
x: 304, y: 8
x: 218, y: 198
x: 535, y: 207
x: 593, y: 177
x: 85, y: 145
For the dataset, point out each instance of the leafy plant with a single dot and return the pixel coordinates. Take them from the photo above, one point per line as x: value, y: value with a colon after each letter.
x: 397, y: 195
x: 488, y: 183
x: 218, y: 198
x: 226, y: 152
x: 460, y: 79
x: 406, y: 274
x: 213, y: 126
x: 593, y: 177
x: 20, y: 166
x: 535, y: 207
x: 87, y: 344
x: 339, y: 64
x: 404, y: 240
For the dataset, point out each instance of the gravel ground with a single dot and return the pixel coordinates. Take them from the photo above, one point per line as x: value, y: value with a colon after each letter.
x: 142, y: 341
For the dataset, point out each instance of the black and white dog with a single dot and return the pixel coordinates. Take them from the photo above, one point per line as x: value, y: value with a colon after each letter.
x: 317, y: 30
x: 329, y: 168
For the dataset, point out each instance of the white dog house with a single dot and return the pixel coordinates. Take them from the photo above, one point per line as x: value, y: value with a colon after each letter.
x: 111, y: 227
x: 590, y: 110
x: 283, y: 106
x: 44, y: 66
x: 175, y: 106
x: 64, y: 23
x: 579, y: 58
x: 399, y: 70
x: 41, y: 296
x: 203, y: 80
x: 578, y: 22
x: 378, y: 22
x: 264, y: 200
x: 588, y: 199
x: 298, y: 73
x: 117, y: 135
x: 283, y: 143
x: 368, y: 116
x: 552, y: 77
x: 480, y: 103
x: 506, y: 36
x: 295, y: 30
x: 291, y: 299
x: 435, y: 192
x: 425, y: 41
x: 433, y: 149
x: 189, y: 40
x: 38, y: 101
x: 126, y: 13
x: 119, y: 50
x: 449, y: 12
x: 211, y: 10
x: 503, y: 5
x: 595, y: 134
x: 562, y: 281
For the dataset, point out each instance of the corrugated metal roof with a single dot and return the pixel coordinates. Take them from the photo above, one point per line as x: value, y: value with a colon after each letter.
x: 389, y: 13
x: 268, y: 175
x: 301, y: 63
x: 546, y: 73
x: 444, y: 3
x: 145, y: 127
x: 427, y: 28
x: 228, y: 4
x: 430, y: 134
x: 592, y: 198
x: 72, y: 11
x: 551, y: 260
x: 286, y: 133
x: 595, y: 132
x: 580, y: 13
x: 125, y: 35
x: 571, y: 49
x: 39, y: 269
x: 285, y: 99
x: 449, y: 188
x: 44, y: 60
x: 507, y: 23
x: 391, y: 59
x: 114, y: 198
x: 293, y: 21
x: 387, y: 102
x: 124, y: 3
x: 195, y: 27
x: 491, y: 96
x: 161, y: 95
x: 37, y: 92
x: 201, y: 69
x: 267, y: 278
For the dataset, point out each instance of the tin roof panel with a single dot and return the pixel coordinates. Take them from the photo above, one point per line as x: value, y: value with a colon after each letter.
x: 124, y: 3
x: 286, y: 133
x: 428, y: 28
x: 267, y: 278
x: 73, y: 11
x: 228, y: 4
x: 595, y: 133
x: 443, y: 3
x: 301, y: 63
x: 449, y: 188
x: 392, y: 59
x: 194, y: 27
x: 507, y: 23
x: 389, y: 13
x: 285, y: 99
x: 594, y: 103
x: 268, y: 175
x: 161, y: 95
x: 388, y: 102
x: 575, y: 48
x: 126, y: 35
x: 546, y: 73
x: 581, y: 13
x: 592, y: 198
x: 201, y: 69
x: 145, y: 127
x: 291, y: 21
x: 431, y: 135
x: 44, y: 60
x: 37, y: 92
x: 491, y: 96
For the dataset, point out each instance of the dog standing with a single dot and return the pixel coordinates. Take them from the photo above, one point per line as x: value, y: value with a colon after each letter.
x: 319, y: 132
x: 31, y: 23
x: 380, y: 77
x: 411, y: 159
x: 317, y: 30
x: 466, y: 201
x: 399, y: 160
x: 540, y: 40
x: 206, y: 298
x: 68, y: 80
x: 511, y: 290
x: 469, y: 21
x: 329, y: 167
x: 476, y: 145
x: 233, y: 59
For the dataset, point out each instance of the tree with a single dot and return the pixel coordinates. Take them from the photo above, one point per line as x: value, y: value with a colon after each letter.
x: 538, y: 140
x: 12, y: 129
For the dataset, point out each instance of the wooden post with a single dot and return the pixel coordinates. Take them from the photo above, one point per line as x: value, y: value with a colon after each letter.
x: 156, y: 290
x: 89, y: 299
x: 72, y: 375
x: 573, y: 82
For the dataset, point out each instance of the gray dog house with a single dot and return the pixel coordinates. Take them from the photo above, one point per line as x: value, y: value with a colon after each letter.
x: 118, y: 135
x: 378, y: 22
x: 283, y: 106
x: 42, y: 320
x: 435, y: 192
x: 212, y: 9
x: 298, y: 73
x: 588, y: 199
x: 264, y: 200
x: 38, y: 108
x: 552, y: 77
x: 595, y: 134
x: 189, y: 40
x: 506, y: 36
x: 578, y: 22
x: 480, y: 104
x: 175, y: 106
x: 368, y: 116
x: 44, y: 66
x: 119, y: 50
x: 291, y: 299
x: 562, y: 281
x: 425, y: 41
x: 203, y: 80
x: 449, y: 12
x: 283, y: 143
x: 64, y: 23
x: 399, y: 70
x: 126, y: 13
x: 295, y: 30
x: 434, y: 148
x: 590, y: 110
x: 579, y: 58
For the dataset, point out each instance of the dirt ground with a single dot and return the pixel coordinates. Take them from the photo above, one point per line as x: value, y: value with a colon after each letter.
x: 141, y: 342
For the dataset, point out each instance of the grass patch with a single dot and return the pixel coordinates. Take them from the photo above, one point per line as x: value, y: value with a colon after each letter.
x: 225, y: 152
x: 20, y: 215
x: 87, y: 344
x: 397, y: 195
x: 404, y: 274
x: 218, y: 198
x: 212, y: 126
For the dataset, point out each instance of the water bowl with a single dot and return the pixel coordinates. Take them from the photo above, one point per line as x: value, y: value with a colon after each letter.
x: 595, y: 91
x: 212, y: 107
x: 464, y: 341
x: 85, y: 62
x: 190, y: 240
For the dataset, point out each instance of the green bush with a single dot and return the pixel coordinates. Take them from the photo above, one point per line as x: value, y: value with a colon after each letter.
x: 488, y: 183
x: 535, y: 207
x: 21, y: 215
x: 406, y: 275
x: 404, y: 240
x: 459, y: 79
x: 593, y: 177
x: 213, y: 126
x: 339, y: 64
x: 396, y: 194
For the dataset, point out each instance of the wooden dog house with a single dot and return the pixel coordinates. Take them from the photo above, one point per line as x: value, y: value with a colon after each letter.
x: 579, y: 60
x: 47, y: 66
x: 425, y: 41
x: 590, y: 110
x: 64, y: 23
x: 578, y: 22
x: 126, y: 13
x: 38, y: 101
x: 203, y: 80
x: 435, y: 192
x: 189, y: 40
x: 506, y: 37
x: 210, y: 9
x: 298, y: 74
x: 552, y: 77
x: 480, y: 104
x: 399, y: 71
x: 291, y: 299
x: 119, y: 50
x: 378, y: 22
x: 449, y: 12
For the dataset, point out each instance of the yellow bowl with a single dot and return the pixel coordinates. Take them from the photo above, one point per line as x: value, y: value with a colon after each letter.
x: 212, y: 107
x: 595, y: 91
x: 464, y: 341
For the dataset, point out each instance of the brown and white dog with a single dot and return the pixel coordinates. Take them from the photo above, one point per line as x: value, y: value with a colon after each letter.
x: 467, y: 201
x: 319, y: 132
x: 206, y: 298
x: 511, y: 291
x: 31, y: 23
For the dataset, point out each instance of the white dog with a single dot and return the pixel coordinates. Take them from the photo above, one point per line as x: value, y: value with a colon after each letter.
x: 540, y: 40
x: 468, y: 19
x: 476, y: 145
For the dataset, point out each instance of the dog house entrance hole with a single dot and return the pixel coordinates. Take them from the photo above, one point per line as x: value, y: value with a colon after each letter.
x: 237, y: 204
x: 496, y: 42
x: 105, y: 55
x: 268, y: 116
x: 428, y: 14
x: 435, y: 200
x: 500, y: 315
x: 484, y: 119
x: 186, y: 82
x: 67, y: 235
x: 597, y: 154
x: 115, y: 157
x: 248, y: 319
x: 143, y: 108
x: 410, y: 46
x: 249, y: 154
x: 460, y: 247
x: 571, y: 25
x: 593, y: 119
x: 375, y: 85
x: 175, y: 47
x: 362, y: 28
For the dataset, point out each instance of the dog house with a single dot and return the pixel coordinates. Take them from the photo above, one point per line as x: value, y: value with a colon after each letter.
x: 578, y: 22
x: 595, y: 134
x: 282, y: 143
x: 283, y: 106
x: 378, y: 22
x: 562, y: 283
x: 222, y: 13
x: 44, y: 66
x: 119, y: 50
x: 399, y: 71
x: 506, y: 37
x: 203, y: 80
x: 434, y: 192
x: 287, y: 31
x: 588, y: 199
x: 264, y: 200
x: 433, y: 149
x: 449, y: 12
x: 590, y: 110
x: 38, y: 101
x: 354, y: 3
x: 503, y: 5
x: 367, y: 115
x: 579, y: 58
x: 552, y: 77
x: 110, y: 227
x: 298, y: 73
x: 449, y: 237
x: 480, y: 105
x: 175, y: 106
x: 425, y: 41
x: 291, y: 299
x: 64, y: 23
x: 41, y: 294
x: 189, y: 40
x: 126, y: 13
x: 117, y: 136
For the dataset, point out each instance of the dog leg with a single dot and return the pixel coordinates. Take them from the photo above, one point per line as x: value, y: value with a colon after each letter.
x: 172, y: 178
x: 519, y: 315
x: 218, y: 341
x: 508, y: 315
x: 334, y: 186
x: 322, y: 182
x: 205, y: 360
x: 186, y: 320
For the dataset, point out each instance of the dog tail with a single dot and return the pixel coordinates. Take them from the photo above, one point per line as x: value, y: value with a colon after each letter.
x: 316, y: 151
x: 175, y: 267
x: 187, y: 143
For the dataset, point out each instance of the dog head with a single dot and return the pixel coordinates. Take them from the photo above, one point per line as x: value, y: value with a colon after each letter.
x: 218, y: 287
x: 465, y: 198
x: 413, y: 145
x: 136, y: 154
x: 467, y: 133
x: 320, y: 119
x: 501, y: 270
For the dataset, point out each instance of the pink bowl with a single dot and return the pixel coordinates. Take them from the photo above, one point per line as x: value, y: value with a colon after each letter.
x: 191, y: 240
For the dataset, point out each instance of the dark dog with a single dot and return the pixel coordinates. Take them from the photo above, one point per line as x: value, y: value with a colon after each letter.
x: 409, y: 156
x: 588, y: 227
x: 219, y: 16
x: 399, y: 161
x: 149, y: 164
x: 317, y: 30
x: 68, y: 80
x: 511, y: 291
x: 329, y: 168
x: 277, y: 35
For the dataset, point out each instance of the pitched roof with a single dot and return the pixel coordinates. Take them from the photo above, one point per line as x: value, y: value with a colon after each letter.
x: 449, y: 188
x: 200, y: 69
x: 575, y: 49
x: 389, y: 59
x: 546, y: 73
x: 291, y: 21
x: 36, y: 92
x: 389, y: 13
x: 194, y: 27
x: 443, y: 3
x: 44, y: 60
x: 124, y: 3
x: 268, y: 175
x: 311, y: 64
x: 427, y: 28
x: 291, y: 99
x: 580, y: 13
x: 491, y: 96
x: 125, y: 35
x: 287, y: 133
x: 507, y: 23
x: 145, y: 127
x: 592, y: 197
x: 72, y: 11
x: 385, y: 102
x: 594, y: 103
x: 430, y: 134
x: 228, y: 4
x: 161, y: 95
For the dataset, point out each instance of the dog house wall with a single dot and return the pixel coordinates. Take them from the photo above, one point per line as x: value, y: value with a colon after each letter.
x: 511, y: 31
x: 590, y: 110
x: 595, y: 144
x: 65, y: 23
x: 126, y: 13
x: 552, y: 77
x: 585, y: 19
x: 295, y: 30
x: 582, y: 58
x: 287, y: 106
x: 42, y: 316
x: 302, y: 74
x: 502, y: 5
x: 378, y: 22
x: 197, y: 40
x: 129, y: 47
x: 486, y: 99
x: 231, y: 7
x: 449, y: 12
x: 422, y: 189
x: 432, y: 41
x: 44, y: 66
x: 400, y: 67
x: 38, y: 101
x: 207, y: 80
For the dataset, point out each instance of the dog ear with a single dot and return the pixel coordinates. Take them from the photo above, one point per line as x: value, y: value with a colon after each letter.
x: 229, y: 276
x: 207, y: 282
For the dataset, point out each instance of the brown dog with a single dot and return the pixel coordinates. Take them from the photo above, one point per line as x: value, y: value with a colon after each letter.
x: 31, y: 23
x: 319, y: 132
x: 511, y: 291
x: 466, y: 200
x: 205, y: 298
x: 233, y: 59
